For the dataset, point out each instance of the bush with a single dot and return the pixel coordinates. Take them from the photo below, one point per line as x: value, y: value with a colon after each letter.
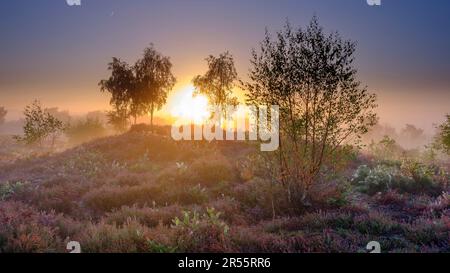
x: 23, y: 229
x: 7, y: 189
x: 410, y: 177
x: 375, y: 180
x: 201, y: 233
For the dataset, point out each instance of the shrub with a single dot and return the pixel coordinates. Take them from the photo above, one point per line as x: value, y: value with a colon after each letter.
x: 410, y: 177
x: 375, y: 180
x: 8, y: 189
x: 201, y: 233
x: 23, y: 229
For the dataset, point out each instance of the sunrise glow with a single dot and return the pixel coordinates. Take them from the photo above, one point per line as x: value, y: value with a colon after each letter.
x: 189, y: 107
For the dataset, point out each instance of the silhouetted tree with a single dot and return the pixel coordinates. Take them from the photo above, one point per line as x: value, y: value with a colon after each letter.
x: 311, y: 76
x: 154, y: 80
x: 121, y: 85
x: 3, y: 113
x: 217, y: 83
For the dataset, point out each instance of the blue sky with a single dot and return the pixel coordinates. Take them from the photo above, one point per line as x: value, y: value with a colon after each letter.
x: 58, y: 53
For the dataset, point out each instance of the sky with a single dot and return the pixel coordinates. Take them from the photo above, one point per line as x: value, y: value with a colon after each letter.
x: 58, y: 53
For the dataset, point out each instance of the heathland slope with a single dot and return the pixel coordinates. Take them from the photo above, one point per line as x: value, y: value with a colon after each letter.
x: 140, y: 192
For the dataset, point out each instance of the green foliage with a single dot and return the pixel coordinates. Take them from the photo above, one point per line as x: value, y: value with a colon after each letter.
x: 218, y: 81
x: 155, y: 247
x: 39, y: 125
x: 410, y: 177
x: 8, y: 188
x: 85, y: 130
x: 201, y: 232
x: 192, y: 220
x: 374, y: 180
x: 444, y: 135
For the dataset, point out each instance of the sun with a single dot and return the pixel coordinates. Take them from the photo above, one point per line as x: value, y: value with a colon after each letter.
x: 184, y: 105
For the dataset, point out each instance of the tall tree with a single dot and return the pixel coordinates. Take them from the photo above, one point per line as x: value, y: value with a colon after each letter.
x: 3, y: 113
x: 311, y: 76
x: 154, y: 80
x: 217, y: 83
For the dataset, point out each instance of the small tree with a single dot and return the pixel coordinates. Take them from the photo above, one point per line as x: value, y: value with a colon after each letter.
x: 217, y: 83
x: 154, y: 80
x: 3, y: 113
x: 39, y: 125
